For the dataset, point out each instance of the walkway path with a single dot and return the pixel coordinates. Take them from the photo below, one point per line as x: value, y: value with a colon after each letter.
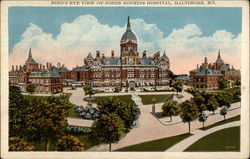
x: 149, y: 127
x: 198, y: 134
x: 79, y: 122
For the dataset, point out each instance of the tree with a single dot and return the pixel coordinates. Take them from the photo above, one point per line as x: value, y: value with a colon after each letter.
x: 211, y: 103
x: 127, y: 112
x: 170, y: 108
x: 202, y: 118
x: 171, y: 75
x: 223, y: 112
x: 17, y: 112
x: 18, y: 144
x: 117, y: 89
x: 223, y: 83
x: 199, y: 101
x: 188, y: 112
x: 178, y: 86
x: 108, y: 129
x: 89, y: 90
x: 238, y: 83
x: 223, y: 99
x: 31, y: 88
x: 69, y: 143
x: 47, y: 119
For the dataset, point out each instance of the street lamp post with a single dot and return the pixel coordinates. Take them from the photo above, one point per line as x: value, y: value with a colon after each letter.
x: 153, y: 107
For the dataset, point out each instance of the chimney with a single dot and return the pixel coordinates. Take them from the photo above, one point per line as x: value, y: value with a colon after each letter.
x: 58, y: 65
x: 197, y: 66
x: 97, y: 54
x: 47, y: 65
x: 144, y: 54
x: 205, y: 60
x: 43, y: 67
x: 16, y: 68
x: 12, y: 68
x: 20, y: 67
x: 112, y: 54
x: 50, y: 65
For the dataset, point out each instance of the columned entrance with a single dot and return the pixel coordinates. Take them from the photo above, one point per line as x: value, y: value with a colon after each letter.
x: 132, y: 86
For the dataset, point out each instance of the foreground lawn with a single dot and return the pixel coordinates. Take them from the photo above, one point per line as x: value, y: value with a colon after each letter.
x: 124, y: 98
x: 223, y: 140
x: 156, y: 145
x: 236, y: 118
x: 147, y: 99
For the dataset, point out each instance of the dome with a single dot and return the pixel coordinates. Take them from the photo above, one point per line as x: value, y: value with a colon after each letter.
x: 128, y: 35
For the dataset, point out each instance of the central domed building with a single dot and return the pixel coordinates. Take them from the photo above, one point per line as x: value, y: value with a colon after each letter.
x: 130, y: 70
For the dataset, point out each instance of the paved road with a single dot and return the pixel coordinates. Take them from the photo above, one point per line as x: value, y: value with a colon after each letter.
x: 198, y: 134
x: 151, y: 129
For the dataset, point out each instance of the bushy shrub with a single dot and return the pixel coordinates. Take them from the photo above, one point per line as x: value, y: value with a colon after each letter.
x: 88, y: 112
x: 76, y: 130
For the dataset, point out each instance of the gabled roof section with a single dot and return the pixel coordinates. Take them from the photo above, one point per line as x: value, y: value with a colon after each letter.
x: 63, y: 69
x: 79, y: 69
x: 89, y: 56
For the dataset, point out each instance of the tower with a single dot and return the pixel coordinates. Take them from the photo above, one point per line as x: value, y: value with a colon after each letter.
x: 128, y: 49
x: 219, y: 62
x: 128, y: 46
x: 30, y: 63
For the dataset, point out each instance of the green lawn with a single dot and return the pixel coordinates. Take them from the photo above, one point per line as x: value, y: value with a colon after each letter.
x: 223, y: 140
x: 34, y: 97
x: 236, y: 118
x: 147, y: 99
x: 85, y: 139
x: 156, y: 145
x: 224, y: 90
x: 124, y: 98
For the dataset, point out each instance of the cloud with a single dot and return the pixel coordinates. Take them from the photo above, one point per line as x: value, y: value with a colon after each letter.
x: 185, y: 46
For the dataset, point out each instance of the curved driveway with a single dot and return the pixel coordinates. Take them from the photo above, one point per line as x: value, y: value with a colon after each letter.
x: 149, y: 127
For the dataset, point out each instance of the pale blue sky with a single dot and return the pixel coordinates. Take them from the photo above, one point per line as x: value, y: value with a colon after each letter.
x: 166, y: 18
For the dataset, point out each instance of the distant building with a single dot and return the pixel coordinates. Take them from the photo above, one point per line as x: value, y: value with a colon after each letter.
x: 46, y: 79
x: 208, y: 74
x: 183, y: 78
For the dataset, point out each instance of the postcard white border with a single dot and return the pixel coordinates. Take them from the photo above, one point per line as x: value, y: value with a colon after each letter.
x: 245, y: 93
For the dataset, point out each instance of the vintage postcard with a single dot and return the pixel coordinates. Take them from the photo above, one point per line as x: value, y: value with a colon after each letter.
x: 124, y: 79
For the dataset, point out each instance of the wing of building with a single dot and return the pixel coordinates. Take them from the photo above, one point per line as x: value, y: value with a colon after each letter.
x: 208, y: 74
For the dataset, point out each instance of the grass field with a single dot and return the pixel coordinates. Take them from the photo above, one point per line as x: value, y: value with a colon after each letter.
x: 223, y: 140
x: 125, y: 98
x: 147, y: 99
x: 156, y: 145
x: 224, y: 90
x: 236, y: 118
